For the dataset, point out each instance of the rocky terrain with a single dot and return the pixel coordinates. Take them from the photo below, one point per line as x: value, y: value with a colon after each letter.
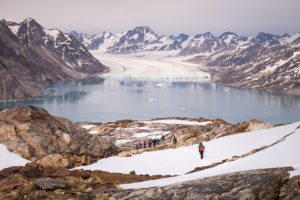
x: 126, y: 134
x: 36, y: 182
x: 37, y: 136
x: 33, y: 58
x: 55, y: 144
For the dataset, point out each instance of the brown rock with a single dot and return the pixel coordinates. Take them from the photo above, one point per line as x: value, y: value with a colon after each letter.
x: 38, y: 134
x: 291, y: 189
x: 50, y: 184
x: 53, y: 160
x: 11, y: 182
x: 254, y: 184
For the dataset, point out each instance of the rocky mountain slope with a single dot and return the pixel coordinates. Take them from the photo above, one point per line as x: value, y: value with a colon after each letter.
x: 32, y: 58
x: 37, y: 136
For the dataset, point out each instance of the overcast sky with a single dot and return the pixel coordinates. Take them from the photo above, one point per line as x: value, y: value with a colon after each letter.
x: 244, y: 17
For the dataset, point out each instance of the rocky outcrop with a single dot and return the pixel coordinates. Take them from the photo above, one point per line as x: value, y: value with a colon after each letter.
x: 126, y: 134
x: 36, y: 182
x: 256, y: 184
x: 291, y: 189
x: 35, y: 135
x: 33, y: 58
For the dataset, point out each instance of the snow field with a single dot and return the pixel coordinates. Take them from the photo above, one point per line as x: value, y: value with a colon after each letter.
x: 182, y: 160
x: 283, y: 154
x: 9, y: 159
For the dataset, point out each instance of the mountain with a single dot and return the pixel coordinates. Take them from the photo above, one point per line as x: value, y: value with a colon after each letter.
x: 32, y: 58
x: 139, y: 39
x: 143, y: 38
x: 264, y: 61
x: 276, y: 70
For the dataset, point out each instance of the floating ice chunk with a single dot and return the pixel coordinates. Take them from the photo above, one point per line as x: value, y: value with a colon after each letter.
x: 159, y: 85
x: 153, y: 100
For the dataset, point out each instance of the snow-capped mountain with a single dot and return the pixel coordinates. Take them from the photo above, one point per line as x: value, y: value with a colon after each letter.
x: 139, y: 39
x: 143, y: 38
x: 32, y: 58
x: 278, y: 69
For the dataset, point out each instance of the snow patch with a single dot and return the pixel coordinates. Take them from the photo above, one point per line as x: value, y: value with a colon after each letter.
x: 14, y: 28
x: 87, y: 126
x: 176, y: 121
x: 9, y: 159
x: 53, y: 33
x: 94, y: 132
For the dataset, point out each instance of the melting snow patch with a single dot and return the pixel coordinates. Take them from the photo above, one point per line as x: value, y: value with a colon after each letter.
x: 87, y: 126
x: 155, y: 133
x: 121, y: 141
x: 9, y: 159
x: 176, y: 121
x: 94, y: 132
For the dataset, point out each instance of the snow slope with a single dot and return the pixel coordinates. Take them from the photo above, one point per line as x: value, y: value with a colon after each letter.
x: 9, y: 159
x: 150, y: 65
x: 285, y: 153
x: 182, y: 160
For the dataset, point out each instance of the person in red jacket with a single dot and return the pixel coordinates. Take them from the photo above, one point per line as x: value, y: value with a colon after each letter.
x: 201, y: 149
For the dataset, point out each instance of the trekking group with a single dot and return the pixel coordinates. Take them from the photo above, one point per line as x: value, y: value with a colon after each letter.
x: 148, y: 143
x: 155, y: 142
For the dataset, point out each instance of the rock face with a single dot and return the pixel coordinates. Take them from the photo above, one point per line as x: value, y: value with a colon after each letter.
x: 256, y: 184
x: 35, y: 135
x: 36, y: 182
x: 32, y: 58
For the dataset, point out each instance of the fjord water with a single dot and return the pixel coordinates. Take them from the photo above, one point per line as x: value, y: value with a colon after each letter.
x: 101, y: 100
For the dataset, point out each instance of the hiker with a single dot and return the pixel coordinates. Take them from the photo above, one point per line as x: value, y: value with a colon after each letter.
x: 150, y: 143
x: 174, y: 141
x: 145, y: 144
x: 201, y: 149
x: 154, y: 143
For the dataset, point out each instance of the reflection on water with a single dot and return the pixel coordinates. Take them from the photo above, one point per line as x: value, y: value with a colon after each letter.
x: 101, y: 100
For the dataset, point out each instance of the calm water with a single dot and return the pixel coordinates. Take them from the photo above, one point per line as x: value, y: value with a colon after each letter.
x: 103, y: 100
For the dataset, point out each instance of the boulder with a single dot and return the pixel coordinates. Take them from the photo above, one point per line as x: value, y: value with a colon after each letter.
x: 54, y: 160
x: 255, y: 184
x: 36, y: 135
x: 50, y: 184
x: 291, y: 189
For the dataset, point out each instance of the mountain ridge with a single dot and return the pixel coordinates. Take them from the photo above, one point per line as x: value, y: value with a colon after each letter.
x: 33, y: 58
